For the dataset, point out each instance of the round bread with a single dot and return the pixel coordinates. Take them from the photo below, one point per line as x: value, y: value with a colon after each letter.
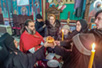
x: 50, y: 39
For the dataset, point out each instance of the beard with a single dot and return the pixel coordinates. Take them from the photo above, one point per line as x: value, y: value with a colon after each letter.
x: 32, y: 32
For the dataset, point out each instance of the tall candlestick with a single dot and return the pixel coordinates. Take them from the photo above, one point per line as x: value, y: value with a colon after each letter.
x: 62, y: 34
x: 92, y: 56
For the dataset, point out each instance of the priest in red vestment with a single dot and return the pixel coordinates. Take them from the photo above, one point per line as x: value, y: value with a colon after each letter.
x: 30, y: 39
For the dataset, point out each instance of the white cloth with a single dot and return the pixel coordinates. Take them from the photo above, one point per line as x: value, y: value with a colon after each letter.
x: 32, y: 50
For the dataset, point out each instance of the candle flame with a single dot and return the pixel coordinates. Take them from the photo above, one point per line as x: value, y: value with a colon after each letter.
x: 93, y: 46
x: 62, y: 30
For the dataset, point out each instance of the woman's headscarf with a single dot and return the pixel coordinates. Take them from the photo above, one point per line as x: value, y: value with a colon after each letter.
x: 84, y: 25
x: 9, y: 42
x: 84, y: 28
x: 6, y: 46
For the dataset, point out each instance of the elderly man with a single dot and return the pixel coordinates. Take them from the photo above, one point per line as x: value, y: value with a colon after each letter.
x: 30, y: 40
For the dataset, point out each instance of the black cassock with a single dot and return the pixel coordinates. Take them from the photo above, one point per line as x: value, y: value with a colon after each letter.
x: 22, y: 60
x: 11, y: 57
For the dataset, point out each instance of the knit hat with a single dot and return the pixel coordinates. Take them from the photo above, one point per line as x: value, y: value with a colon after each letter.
x: 83, y: 42
x: 38, y: 16
x: 66, y: 27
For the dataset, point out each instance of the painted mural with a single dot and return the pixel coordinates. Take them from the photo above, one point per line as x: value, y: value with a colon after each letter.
x: 95, y: 6
x: 4, y: 9
x: 68, y: 6
x: 21, y: 7
x: 37, y: 7
x: 33, y: 7
x: 14, y: 3
x: 22, y: 2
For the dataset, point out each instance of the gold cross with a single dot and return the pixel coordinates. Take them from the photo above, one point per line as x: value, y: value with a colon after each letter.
x: 68, y: 20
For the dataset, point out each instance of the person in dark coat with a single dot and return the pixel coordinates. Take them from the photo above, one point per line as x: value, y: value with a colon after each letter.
x: 11, y: 57
x: 98, y: 36
x: 98, y: 53
x: 52, y: 26
x: 39, y: 25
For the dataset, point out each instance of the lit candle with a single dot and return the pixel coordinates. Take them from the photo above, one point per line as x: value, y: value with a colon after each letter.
x: 62, y: 34
x: 92, y: 56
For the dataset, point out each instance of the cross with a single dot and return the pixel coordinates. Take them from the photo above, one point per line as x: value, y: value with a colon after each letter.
x: 68, y: 20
